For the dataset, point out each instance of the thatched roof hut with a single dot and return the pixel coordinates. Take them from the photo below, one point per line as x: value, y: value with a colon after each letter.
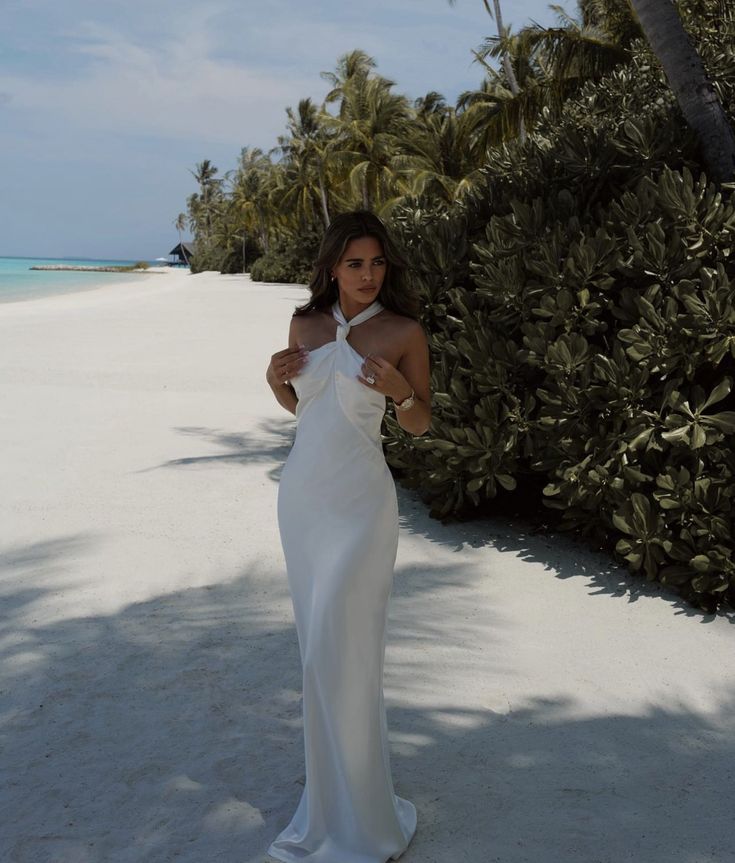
x: 181, y: 254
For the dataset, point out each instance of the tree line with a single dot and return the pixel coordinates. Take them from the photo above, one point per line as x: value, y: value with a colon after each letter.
x: 368, y: 146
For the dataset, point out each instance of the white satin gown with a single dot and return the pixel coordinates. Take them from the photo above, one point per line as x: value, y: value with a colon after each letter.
x: 338, y: 519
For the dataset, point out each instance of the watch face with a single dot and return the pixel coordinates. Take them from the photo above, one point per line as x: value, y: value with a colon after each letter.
x: 405, y: 404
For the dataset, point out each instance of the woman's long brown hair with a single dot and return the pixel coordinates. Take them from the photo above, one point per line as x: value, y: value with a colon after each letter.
x: 394, y: 293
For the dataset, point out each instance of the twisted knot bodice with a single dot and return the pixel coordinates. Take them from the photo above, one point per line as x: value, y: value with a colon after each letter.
x: 344, y: 326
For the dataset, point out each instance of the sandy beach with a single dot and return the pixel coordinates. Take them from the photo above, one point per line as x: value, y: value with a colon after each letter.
x: 543, y: 705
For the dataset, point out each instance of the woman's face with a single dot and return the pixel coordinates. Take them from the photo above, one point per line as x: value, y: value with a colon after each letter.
x: 361, y: 269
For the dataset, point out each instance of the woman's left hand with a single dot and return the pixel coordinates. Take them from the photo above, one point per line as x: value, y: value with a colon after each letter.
x: 388, y: 380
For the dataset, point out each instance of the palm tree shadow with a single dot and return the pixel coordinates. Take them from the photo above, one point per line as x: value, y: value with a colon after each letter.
x: 269, y: 443
x: 562, y: 554
x: 173, y: 729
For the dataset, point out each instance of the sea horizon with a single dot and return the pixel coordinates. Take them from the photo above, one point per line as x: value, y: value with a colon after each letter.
x: 19, y: 283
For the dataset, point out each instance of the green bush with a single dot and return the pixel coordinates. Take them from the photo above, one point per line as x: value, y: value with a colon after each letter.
x: 225, y: 258
x: 582, y: 330
x: 128, y: 268
x: 288, y: 260
x: 205, y: 258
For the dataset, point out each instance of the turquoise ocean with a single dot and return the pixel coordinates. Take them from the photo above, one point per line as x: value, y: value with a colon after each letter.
x: 19, y: 283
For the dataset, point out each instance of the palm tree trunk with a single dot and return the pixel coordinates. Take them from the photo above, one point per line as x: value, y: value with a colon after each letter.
x: 183, y: 250
x: 263, y: 231
x: 507, y: 65
x: 323, y: 198
x: 688, y: 80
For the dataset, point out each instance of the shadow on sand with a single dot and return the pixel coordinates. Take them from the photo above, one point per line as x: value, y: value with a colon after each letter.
x: 272, y: 439
x: 172, y: 730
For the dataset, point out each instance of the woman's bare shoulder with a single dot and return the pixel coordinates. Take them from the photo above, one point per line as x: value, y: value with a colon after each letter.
x: 404, y: 326
x: 296, y: 327
x: 405, y: 333
x: 301, y: 317
x: 307, y: 319
x: 399, y: 320
x: 306, y: 324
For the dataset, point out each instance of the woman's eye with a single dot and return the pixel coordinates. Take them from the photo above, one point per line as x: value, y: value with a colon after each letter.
x: 355, y: 264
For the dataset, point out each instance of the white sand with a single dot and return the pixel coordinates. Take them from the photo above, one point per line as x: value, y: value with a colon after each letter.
x: 543, y: 705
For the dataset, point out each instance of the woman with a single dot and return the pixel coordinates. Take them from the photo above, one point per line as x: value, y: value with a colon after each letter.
x: 354, y: 344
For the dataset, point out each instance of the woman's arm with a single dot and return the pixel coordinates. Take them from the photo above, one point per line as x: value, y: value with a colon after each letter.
x: 286, y: 396
x: 397, y: 382
x: 289, y: 362
x: 414, y: 366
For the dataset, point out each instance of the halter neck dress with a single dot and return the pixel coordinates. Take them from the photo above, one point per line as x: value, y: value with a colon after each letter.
x: 338, y: 520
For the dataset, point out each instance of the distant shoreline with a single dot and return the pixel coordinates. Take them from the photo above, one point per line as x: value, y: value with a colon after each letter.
x: 78, y: 268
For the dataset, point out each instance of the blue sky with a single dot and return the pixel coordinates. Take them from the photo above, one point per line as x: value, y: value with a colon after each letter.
x: 105, y: 106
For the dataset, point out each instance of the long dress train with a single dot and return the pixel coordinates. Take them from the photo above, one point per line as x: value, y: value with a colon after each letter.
x: 338, y: 519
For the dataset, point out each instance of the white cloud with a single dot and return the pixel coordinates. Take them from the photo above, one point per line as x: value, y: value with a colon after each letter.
x: 224, y: 72
x: 174, y: 88
x: 104, y: 106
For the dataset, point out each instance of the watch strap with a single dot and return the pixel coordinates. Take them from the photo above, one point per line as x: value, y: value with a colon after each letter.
x: 406, y: 403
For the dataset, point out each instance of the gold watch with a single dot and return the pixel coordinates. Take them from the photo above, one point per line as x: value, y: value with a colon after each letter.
x: 406, y: 403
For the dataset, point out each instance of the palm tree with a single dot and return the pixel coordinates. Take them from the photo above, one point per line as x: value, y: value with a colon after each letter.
x: 253, y: 185
x: 367, y: 132
x: 210, y: 186
x: 507, y: 65
x: 180, y: 224
x: 503, y: 41
x: 560, y: 59
x: 444, y: 166
x: 688, y: 80
x: 228, y: 238
x: 306, y: 149
x: 550, y: 64
x: 352, y: 67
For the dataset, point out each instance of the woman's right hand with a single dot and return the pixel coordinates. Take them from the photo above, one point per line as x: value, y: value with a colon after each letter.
x: 286, y: 364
